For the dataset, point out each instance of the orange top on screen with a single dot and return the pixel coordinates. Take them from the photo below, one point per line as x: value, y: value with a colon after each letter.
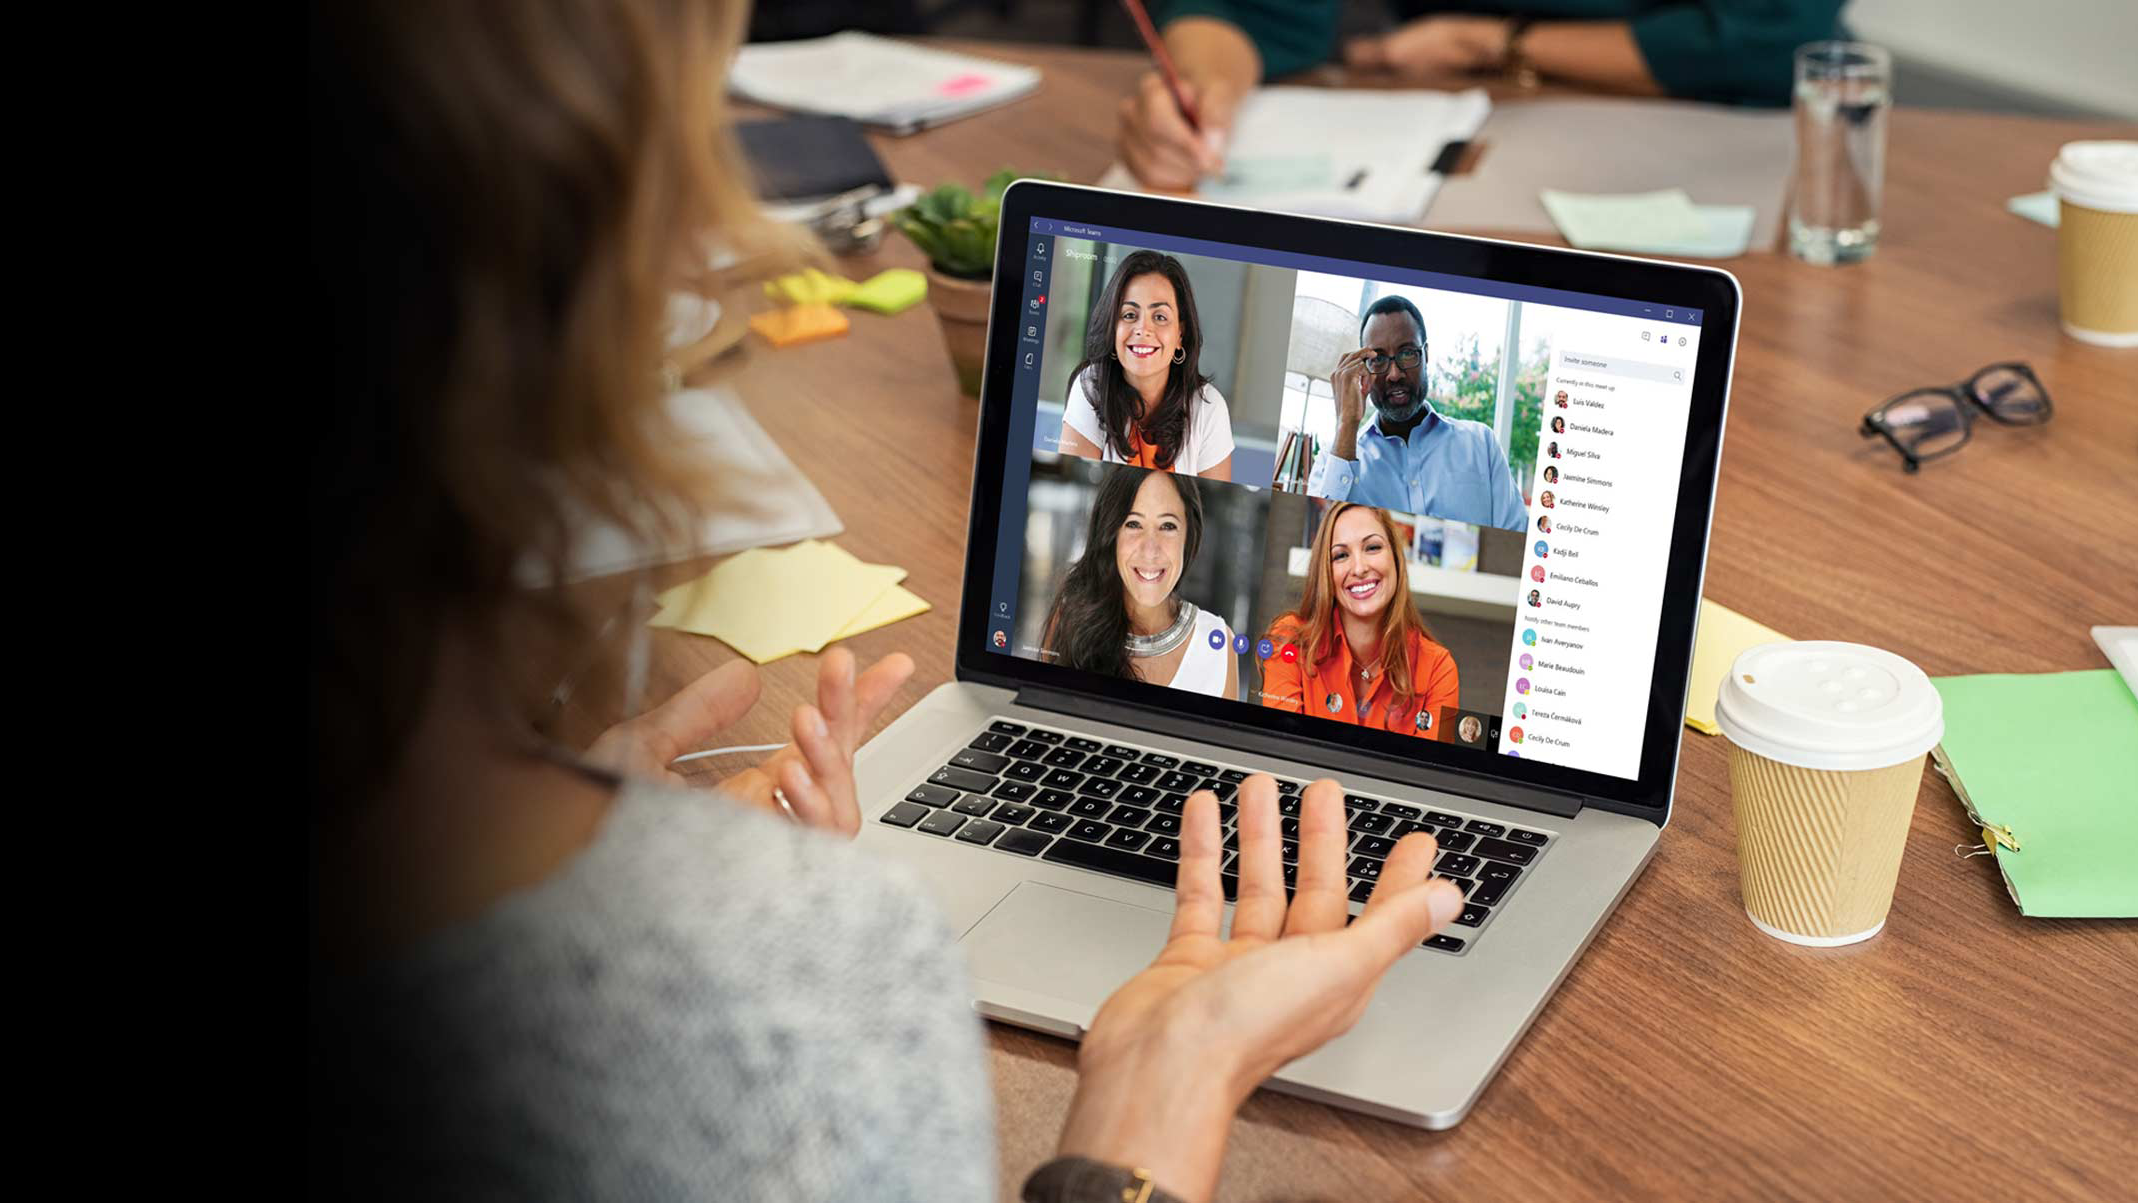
x: 1165, y: 61
x: 1328, y: 690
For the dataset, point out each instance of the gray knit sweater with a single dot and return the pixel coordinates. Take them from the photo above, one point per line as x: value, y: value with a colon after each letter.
x: 707, y: 1003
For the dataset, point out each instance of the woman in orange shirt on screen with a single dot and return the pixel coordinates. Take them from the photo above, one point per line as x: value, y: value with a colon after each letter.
x: 1360, y: 651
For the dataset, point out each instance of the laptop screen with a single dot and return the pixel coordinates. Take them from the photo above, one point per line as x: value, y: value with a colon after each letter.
x: 1371, y: 500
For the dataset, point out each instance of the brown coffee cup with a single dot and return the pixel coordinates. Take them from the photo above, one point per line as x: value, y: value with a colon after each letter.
x: 2096, y: 185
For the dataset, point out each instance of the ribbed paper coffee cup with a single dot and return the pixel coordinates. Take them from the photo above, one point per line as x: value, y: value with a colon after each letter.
x: 2096, y: 184
x: 1827, y: 744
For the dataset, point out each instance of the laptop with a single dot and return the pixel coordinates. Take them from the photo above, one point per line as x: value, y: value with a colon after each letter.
x: 1469, y: 595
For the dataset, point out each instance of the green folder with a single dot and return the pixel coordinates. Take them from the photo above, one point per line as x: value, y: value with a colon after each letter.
x: 2047, y: 766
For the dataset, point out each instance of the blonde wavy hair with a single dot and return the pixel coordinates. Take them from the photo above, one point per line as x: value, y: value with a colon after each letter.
x: 505, y: 196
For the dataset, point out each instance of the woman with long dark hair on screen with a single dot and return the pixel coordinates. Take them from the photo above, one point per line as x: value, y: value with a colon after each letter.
x: 1364, y: 653
x: 1139, y: 395
x: 1119, y: 611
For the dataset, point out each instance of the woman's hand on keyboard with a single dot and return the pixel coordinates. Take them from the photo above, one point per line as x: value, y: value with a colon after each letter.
x: 815, y: 772
x: 1176, y: 1050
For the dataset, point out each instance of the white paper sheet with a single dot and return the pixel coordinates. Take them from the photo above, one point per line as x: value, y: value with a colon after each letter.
x: 876, y: 80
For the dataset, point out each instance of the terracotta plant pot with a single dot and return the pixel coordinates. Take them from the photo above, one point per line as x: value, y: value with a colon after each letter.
x: 962, y: 306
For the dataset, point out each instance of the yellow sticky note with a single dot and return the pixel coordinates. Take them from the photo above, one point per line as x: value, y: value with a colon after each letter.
x: 892, y: 290
x: 810, y: 287
x: 897, y: 603
x: 771, y: 603
x: 1724, y: 635
x: 799, y: 324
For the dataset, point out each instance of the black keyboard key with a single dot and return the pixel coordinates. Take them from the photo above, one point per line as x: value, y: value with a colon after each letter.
x: 942, y: 822
x: 1364, y: 868
x: 1026, y: 749
x: 1357, y: 804
x: 1441, y: 818
x: 1163, y: 824
x: 1361, y: 891
x: 1473, y: 915
x: 1455, y: 864
x: 1061, y: 779
x: 1287, y: 787
x: 1089, y: 808
x: 1141, y: 795
x: 1100, y: 787
x: 1123, y: 752
x: 905, y: 814
x: 932, y: 795
x: 1520, y: 836
x: 1129, y: 816
x: 1027, y: 770
x: 1464, y: 884
x: 1128, y: 841
x: 1230, y: 883
x: 1161, y: 761
x: 1404, y: 827
x: 980, y: 831
x: 1023, y: 843
x: 1102, y: 766
x: 1495, y: 871
x: 1172, y: 804
x: 965, y: 781
x: 1232, y: 841
x: 1482, y: 827
x: 1090, y: 829
x: 1231, y: 776
x: 1219, y: 786
x: 1045, y: 737
x: 1198, y: 768
x: 1164, y: 846
x: 1131, y: 865
x: 1291, y: 878
x: 1082, y: 744
x: 1050, y: 822
x: 1456, y: 841
x: 1015, y: 791
x: 1139, y: 774
x: 1518, y: 854
x: 1177, y: 782
x: 1288, y: 852
x: 1052, y: 799
x: 1012, y: 814
x: 1397, y: 810
x: 1444, y: 943
x: 975, y: 805
x: 1226, y: 812
x: 1372, y: 824
x: 1289, y: 806
x: 984, y: 762
x: 1005, y: 727
x: 989, y: 742
x: 1489, y: 892
x: 1377, y: 847
x: 1064, y: 758
x: 1288, y: 827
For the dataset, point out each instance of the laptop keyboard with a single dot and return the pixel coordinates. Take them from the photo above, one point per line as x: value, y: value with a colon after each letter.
x: 1112, y: 808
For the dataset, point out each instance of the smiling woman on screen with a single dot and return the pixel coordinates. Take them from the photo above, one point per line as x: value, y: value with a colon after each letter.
x: 1139, y: 396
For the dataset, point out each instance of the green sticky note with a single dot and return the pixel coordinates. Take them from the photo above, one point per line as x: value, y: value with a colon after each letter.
x: 2054, y: 758
x: 1651, y: 223
x: 890, y: 291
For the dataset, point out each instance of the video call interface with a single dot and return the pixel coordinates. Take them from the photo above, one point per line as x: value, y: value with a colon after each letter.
x: 1424, y: 504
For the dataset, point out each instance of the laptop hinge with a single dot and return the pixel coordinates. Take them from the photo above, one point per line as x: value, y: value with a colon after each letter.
x: 1335, y: 757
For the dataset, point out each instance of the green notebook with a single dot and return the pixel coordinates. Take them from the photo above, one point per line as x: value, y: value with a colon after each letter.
x: 2047, y: 765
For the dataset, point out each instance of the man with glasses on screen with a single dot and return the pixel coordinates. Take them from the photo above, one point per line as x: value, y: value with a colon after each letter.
x: 1409, y: 458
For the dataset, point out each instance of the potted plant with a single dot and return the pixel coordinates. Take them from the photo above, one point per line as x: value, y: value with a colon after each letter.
x: 956, y: 230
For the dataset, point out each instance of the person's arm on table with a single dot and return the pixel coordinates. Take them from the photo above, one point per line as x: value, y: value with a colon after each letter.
x: 1599, y: 53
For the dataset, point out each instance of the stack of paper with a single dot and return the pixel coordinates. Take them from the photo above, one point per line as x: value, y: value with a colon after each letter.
x: 1724, y: 636
x: 767, y: 603
x: 897, y: 85
x: 1651, y: 223
x: 1365, y: 155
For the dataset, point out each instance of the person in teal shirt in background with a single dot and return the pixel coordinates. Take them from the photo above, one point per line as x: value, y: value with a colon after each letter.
x: 1724, y: 51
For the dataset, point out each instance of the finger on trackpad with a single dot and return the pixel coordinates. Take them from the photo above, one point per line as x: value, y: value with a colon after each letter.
x: 1046, y: 957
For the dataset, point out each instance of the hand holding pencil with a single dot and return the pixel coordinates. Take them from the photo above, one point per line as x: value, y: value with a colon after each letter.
x: 1174, y: 126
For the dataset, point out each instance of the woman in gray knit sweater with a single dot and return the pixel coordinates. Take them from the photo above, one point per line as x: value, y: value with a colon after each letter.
x: 541, y: 974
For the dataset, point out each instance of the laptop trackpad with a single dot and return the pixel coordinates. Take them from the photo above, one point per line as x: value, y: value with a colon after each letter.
x: 1046, y: 957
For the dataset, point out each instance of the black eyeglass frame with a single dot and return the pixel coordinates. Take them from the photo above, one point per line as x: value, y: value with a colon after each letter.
x: 1396, y: 360
x: 1968, y: 400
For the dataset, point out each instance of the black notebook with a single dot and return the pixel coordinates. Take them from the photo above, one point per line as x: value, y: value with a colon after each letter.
x: 809, y: 158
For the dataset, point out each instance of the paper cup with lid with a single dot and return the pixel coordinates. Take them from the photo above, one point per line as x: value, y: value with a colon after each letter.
x: 1827, y: 745
x: 2096, y: 186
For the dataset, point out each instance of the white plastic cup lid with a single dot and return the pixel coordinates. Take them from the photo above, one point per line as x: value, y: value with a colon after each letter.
x: 2098, y: 175
x: 1835, y: 706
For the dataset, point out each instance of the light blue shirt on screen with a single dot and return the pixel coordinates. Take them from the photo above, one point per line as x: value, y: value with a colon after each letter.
x: 1450, y: 468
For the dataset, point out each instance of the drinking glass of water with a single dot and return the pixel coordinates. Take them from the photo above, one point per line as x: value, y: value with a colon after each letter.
x: 1843, y: 90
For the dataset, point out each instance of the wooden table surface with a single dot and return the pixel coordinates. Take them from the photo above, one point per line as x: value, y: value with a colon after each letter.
x: 1964, y: 1053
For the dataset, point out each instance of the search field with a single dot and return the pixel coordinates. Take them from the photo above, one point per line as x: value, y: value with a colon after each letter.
x: 1619, y: 365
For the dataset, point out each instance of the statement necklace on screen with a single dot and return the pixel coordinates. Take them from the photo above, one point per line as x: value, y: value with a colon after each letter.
x: 1166, y: 640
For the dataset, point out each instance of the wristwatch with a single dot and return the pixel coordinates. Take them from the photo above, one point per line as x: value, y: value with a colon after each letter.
x: 1514, y: 62
x: 1082, y: 1180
